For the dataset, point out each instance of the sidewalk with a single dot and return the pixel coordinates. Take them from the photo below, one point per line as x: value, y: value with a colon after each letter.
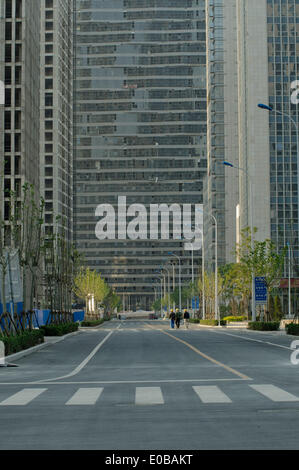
x: 48, y: 340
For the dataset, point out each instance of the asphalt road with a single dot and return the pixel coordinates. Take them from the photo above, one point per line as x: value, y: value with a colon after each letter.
x: 140, y: 385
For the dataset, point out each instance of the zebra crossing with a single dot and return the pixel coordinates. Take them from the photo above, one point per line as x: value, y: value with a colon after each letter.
x: 149, y: 396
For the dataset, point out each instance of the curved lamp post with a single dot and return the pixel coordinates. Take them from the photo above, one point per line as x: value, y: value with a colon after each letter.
x: 217, y: 317
x: 180, y: 284
x: 168, y: 275
x: 252, y: 233
x: 202, y: 271
x: 161, y: 279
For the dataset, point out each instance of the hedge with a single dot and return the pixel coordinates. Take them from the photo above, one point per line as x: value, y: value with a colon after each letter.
x: 194, y: 320
x: 14, y: 344
x: 92, y: 322
x: 235, y: 318
x: 264, y: 326
x: 292, y: 329
x: 212, y: 322
x: 59, y: 330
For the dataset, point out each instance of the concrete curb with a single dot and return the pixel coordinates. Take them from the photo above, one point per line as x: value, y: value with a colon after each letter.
x: 277, y: 332
x: 48, y: 342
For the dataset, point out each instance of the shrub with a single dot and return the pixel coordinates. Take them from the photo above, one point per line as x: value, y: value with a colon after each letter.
x: 194, y: 320
x: 292, y: 329
x: 59, y: 330
x: 212, y: 322
x: 235, y: 318
x: 264, y: 326
x: 92, y: 322
x: 25, y: 340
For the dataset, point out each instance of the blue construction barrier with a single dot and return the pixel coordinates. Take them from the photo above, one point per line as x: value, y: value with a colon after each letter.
x: 9, y: 307
x: 78, y: 315
x: 41, y: 317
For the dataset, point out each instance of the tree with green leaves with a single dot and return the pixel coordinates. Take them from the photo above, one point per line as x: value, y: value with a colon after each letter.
x: 175, y: 296
x: 278, y: 313
x: 207, y: 285
x: 156, y: 305
x: 264, y: 261
x: 89, y: 284
x: 238, y: 282
x: 112, y: 302
x: 268, y: 263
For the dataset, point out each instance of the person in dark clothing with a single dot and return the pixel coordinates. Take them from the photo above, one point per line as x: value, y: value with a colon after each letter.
x: 172, y: 318
x: 186, y: 318
x: 177, y: 318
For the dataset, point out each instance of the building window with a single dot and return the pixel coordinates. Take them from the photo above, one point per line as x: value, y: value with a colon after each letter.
x: 8, y: 31
x: 18, y: 8
x: 18, y: 31
x: 8, y: 8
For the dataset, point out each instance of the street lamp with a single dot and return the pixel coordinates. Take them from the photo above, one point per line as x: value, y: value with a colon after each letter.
x: 289, y: 280
x: 161, y: 279
x: 216, y: 267
x: 180, y: 286
x: 202, y: 271
x: 252, y: 233
x: 173, y: 282
x: 166, y: 269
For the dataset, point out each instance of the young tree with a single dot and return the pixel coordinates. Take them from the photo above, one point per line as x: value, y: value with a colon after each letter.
x: 175, y: 296
x: 156, y: 305
x: 278, y: 313
x: 89, y: 284
x: 3, y: 251
x: 26, y: 220
x: 207, y: 285
x: 264, y: 261
x: 238, y: 280
x: 268, y: 263
x: 111, y: 302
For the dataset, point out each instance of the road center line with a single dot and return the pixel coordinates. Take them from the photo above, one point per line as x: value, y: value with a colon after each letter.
x: 83, y: 363
x: 229, y: 369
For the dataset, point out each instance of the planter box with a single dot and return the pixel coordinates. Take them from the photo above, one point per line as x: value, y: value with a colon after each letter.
x: 286, y: 321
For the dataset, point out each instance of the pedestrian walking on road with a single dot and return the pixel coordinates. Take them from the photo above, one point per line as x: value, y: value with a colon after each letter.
x: 172, y: 318
x: 186, y: 318
x: 178, y: 318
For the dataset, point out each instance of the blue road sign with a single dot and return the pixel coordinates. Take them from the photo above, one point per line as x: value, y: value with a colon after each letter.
x: 260, y: 290
x: 195, y: 303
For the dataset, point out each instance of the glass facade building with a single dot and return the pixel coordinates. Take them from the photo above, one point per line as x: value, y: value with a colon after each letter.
x: 140, y: 128
x: 260, y: 41
x: 56, y: 128
x: 19, y: 117
x: 214, y: 183
x: 283, y: 44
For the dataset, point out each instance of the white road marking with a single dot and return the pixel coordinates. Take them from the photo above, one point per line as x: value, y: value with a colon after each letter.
x: 252, y: 339
x: 274, y: 393
x: 149, y: 396
x: 83, y: 363
x: 119, y: 382
x: 23, y: 397
x: 211, y: 394
x: 85, y: 396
